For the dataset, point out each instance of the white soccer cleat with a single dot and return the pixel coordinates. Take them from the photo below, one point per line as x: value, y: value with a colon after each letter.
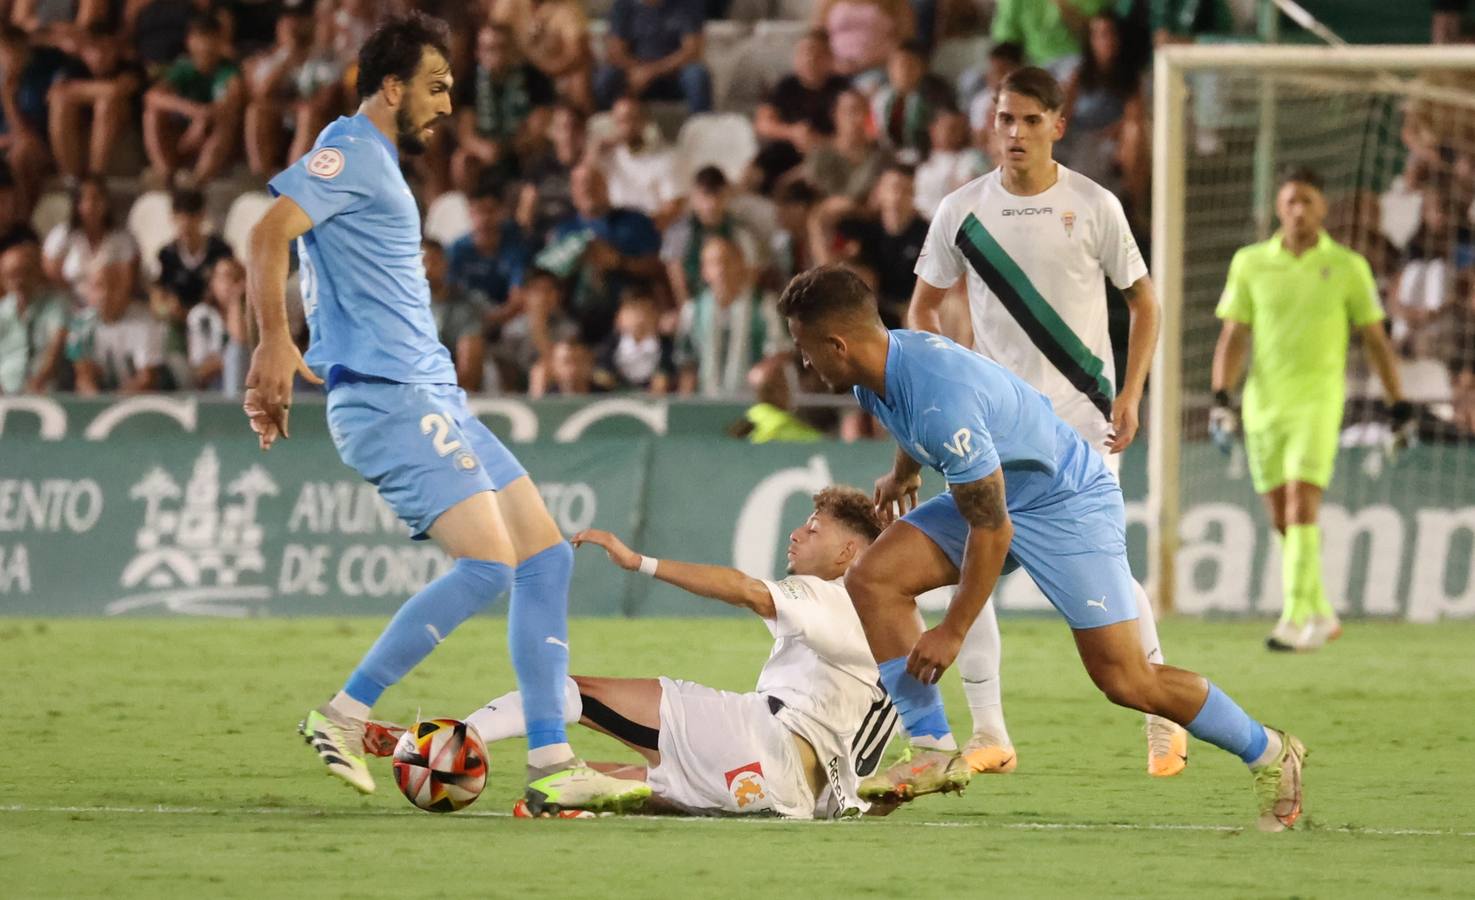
x: 1284, y: 637
x: 578, y: 787
x: 1319, y: 631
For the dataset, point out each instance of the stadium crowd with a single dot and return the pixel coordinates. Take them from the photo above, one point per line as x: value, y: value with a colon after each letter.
x: 622, y: 189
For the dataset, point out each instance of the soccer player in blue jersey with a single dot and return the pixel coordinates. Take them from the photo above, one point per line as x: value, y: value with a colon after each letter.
x: 1024, y: 490
x: 398, y: 418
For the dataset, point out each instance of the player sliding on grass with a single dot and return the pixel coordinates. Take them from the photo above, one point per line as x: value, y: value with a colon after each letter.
x: 397, y: 416
x: 795, y: 745
x: 1024, y: 490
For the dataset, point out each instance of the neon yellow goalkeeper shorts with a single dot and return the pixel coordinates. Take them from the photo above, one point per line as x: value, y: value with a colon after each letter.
x: 1302, y: 450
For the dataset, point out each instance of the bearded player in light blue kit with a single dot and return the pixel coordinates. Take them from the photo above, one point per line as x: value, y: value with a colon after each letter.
x: 1024, y: 490
x: 398, y: 418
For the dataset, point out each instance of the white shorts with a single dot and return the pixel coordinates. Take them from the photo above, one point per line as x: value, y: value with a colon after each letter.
x: 725, y: 754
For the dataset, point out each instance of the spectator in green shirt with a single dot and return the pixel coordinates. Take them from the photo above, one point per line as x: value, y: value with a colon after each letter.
x: 33, y: 322
x: 194, y: 111
x: 1050, y: 31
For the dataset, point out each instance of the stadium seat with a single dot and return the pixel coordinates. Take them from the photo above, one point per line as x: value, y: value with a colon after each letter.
x: 244, y: 213
x: 52, y: 210
x: 448, y: 218
x: 151, y: 222
x: 749, y: 10
x: 725, y: 140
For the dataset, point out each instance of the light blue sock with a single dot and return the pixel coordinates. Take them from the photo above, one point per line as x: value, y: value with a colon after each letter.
x: 1222, y: 723
x: 537, y: 635
x: 425, y: 620
x: 918, y: 704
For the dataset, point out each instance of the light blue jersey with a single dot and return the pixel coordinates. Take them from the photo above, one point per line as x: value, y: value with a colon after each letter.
x: 968, y: 417
x: 363, y: 280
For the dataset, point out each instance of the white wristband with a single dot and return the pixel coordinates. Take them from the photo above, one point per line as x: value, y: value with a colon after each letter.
x: 648, y: 565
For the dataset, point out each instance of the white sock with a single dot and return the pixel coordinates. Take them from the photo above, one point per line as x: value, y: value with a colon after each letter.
x: 978, y: 664
x: 1147, y: 625
x: 1273, y: 747
x: 549, y: 755
x: 946, y: 742
x: 502, y: 718
x: 349, y: 708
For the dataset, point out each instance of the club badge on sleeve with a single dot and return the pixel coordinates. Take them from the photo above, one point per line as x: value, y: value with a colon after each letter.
x: 326, y: 163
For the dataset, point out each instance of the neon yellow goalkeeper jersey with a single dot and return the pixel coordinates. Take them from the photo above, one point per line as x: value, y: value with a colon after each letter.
x: 1300, y: 311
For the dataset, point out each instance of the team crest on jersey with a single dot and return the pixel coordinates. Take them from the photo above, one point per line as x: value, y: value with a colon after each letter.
x: 1068, y: 219
x: 326, y: 163
x: 748, y: 786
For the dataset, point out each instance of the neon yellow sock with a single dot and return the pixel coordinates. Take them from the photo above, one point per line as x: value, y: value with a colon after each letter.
x: 1301, y: 574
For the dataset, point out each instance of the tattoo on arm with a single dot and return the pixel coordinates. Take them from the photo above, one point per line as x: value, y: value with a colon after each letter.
x: 982, y: 502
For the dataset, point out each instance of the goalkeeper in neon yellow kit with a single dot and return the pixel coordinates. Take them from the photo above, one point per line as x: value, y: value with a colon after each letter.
x: 1299, y: 294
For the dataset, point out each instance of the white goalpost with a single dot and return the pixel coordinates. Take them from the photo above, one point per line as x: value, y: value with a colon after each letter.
x: 1391, y: 130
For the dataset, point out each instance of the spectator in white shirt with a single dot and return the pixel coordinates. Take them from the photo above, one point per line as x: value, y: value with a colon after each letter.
x: 640, y: 171
x: 88, y: 239
x: 120, y: 347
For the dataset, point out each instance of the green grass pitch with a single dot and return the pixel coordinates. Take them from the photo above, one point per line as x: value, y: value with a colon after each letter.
x: 158, y: 758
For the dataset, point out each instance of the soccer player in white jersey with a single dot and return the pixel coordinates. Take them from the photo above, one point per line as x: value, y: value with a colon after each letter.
x: 797, y: 744
x: 1036, y: 242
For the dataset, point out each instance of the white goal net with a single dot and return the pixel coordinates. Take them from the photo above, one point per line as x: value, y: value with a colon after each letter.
x: 1391, y: 132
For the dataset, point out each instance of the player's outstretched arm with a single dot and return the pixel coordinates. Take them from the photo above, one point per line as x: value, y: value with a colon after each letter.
x: 276, y: 359
x: 718, y: 582
x: 981, y: 504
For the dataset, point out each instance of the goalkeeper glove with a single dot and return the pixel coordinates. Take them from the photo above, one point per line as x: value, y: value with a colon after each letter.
x: 1403, y: 430
x: 1223, y: 423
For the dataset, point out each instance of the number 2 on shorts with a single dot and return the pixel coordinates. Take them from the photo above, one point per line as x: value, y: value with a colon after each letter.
x: 442, y: 427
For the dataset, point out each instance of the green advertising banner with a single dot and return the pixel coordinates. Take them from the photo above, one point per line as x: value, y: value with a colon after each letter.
x: 163, y: 505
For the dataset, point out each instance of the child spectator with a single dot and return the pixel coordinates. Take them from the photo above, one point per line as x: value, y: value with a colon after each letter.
x: 637, y: 356
x: 569, y: 371
x: 186, y: 262
x: 194, y: 111
x: 218, y: 343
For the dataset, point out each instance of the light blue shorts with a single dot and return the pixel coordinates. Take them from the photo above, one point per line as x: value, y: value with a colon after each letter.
x: 1073, y: 546
x: 419, y: 445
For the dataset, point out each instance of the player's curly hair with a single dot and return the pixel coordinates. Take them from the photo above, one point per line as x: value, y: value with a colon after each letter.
x: 831, y: 290
x: 395, y: 49
x: 850, y: 507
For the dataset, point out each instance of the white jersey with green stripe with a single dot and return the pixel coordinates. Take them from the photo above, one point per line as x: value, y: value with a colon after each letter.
x: 1036, y: 269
